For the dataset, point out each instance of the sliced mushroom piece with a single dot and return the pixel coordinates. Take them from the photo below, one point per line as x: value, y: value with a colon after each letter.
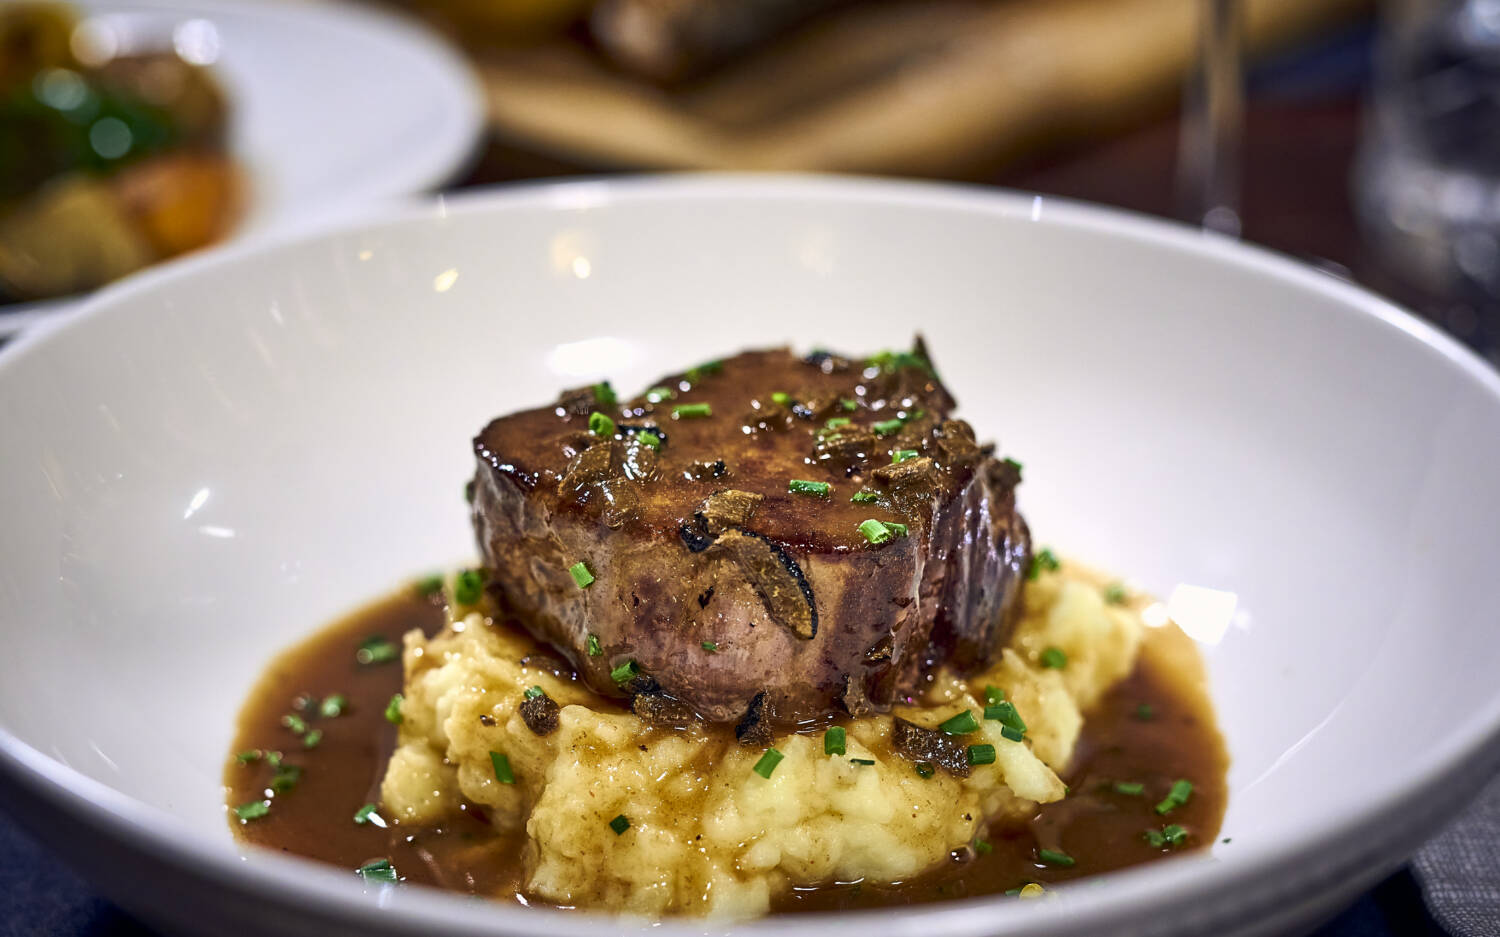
x: 774, y: 576
x: 915, y: 743
x: 726, y: 509
x: 540, y: 714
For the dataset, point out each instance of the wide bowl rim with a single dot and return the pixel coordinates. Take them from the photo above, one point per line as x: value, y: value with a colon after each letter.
x: 1343, y: 842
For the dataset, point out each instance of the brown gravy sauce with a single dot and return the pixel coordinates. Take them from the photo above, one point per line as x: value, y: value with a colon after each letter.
x: 1099, y: 827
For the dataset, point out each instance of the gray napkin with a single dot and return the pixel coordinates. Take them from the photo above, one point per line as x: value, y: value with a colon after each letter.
x: 1459, y: 870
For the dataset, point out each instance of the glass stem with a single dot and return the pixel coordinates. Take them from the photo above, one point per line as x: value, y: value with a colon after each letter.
x: 1213, y: 117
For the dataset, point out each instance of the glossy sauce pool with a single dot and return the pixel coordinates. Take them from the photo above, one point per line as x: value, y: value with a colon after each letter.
x: 1152, y: 729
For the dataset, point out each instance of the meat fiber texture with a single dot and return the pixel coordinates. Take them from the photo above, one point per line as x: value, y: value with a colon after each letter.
x: 708, y: 835
x: 714, y: 524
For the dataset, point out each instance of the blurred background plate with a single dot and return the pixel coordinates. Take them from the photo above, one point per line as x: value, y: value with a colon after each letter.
x: 332, y: 107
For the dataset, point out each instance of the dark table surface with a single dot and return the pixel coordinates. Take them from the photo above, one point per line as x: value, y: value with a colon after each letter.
x: 1302, y: 131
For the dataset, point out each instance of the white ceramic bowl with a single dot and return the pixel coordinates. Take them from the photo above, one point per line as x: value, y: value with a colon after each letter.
x: 216, y: 458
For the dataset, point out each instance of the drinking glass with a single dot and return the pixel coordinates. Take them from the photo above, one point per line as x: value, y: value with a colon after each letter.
x: 1213, y: 114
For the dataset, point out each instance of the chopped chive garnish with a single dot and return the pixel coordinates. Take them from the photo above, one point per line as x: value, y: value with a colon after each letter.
x: 695, y: 374
x: 1013, y: 464
x: 1005, y: 713
x: 1015, y: 892
x: 900, y: 530
x: 380, y: 870
x: 377, y: 649
x: 363, y: 814
x: 620, y: 824
x: 1115, y: 594
x: 295, y: 723
x: 803, y: 487
x: 992, y: 696
x: 781, y: 398
x: 428, y: 585
x: 886, y: 427
x: 861, y: 761
x: 1053, y: 658
x: 902, y: 455
x: 501, y: 765
x: 1130, y: 788
x: 1045, y: 559
x: 981, y: 754
x: 593, y: 646
x: 874, y: 531
x: 626, y: 672
x: 834, y: 740
x: 285, y: 778
x: 333, y: 706
x: 982, y: 847
x: 960, y: 724
x: 1181, y: 791
x: 393, y: 709
x: 1015, y: 735
x: 532, y: 692
x: 1054, y: 857
x: 581, y: 575
x: 311, y: 739
x: 604, y: 394
x: 246, y: 758
x: 601, y: 425
x: 914, y: 415
x: 1145, y: 712
x: 273, y: 759
x: 768, y: 762
x: 648, y: 438
x: 658, y: 394
x: 838, y: 422
x: 848, y: 404
x: 253, y: 810
x: 710, y: 646
x: 688, y: 411
x: 468, y: 587
x: 925, y: 769
x: 865, y: 497
x: 1169, y: 835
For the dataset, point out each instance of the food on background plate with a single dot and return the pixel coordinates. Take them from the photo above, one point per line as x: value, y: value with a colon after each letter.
x: 769, y: 636
x: 110, y: 159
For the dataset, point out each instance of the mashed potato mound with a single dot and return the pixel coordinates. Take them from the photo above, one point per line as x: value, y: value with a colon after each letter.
x: 707, y: 834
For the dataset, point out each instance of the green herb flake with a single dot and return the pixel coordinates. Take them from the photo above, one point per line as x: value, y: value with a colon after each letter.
x: 601, y: 425
x: 1005, y: 713
x: 380, y: 870
x: 285, y: 778
x: 900, y: 530
x: 501, y: 766
x: 312, y: 739
x: 253, y: 810
x: 887, y: 427
x: 295, y: 723
x: 1044, y: 559
x: 252, y: 755
x: 377, y: 649
x: 768, y: 763
x: 803, y: 487
x: 593, y: 647
x: 697, y: 373
x: 648, y: 438
x: 834, y: 740
x: 710, y: 646
x: 658, y: 394
x: 428, y: 586
x: 1115, y: 594
x: 1178, y: 796
x: 781, y: 398
x: 981, y: 754
x: 925, y: 769
x: 903, y: 455
x: 983, y: 847
x: 1014, y: 735
x: 468, y: 587
x: 875, y: 532
x: 960, y: 723
x: 838, y: 422
x: 333, y: 706
x: 363, y: 814
x: 532, y: 692
x: 848, y: 404
x: 626, y: 672
x: 865, y: 496
x: 1145, y: 712
x: 1054, y: 659
x: 861, y: 761
x: 1053, y: 857
x: 581, y: 575
x: 393, y: 710
x: 993, y: 695
x: 692, y: 411
x: 1015, y: 465
x: 620, y: 824
x: 1129, y: 788
x: 604, y: 394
